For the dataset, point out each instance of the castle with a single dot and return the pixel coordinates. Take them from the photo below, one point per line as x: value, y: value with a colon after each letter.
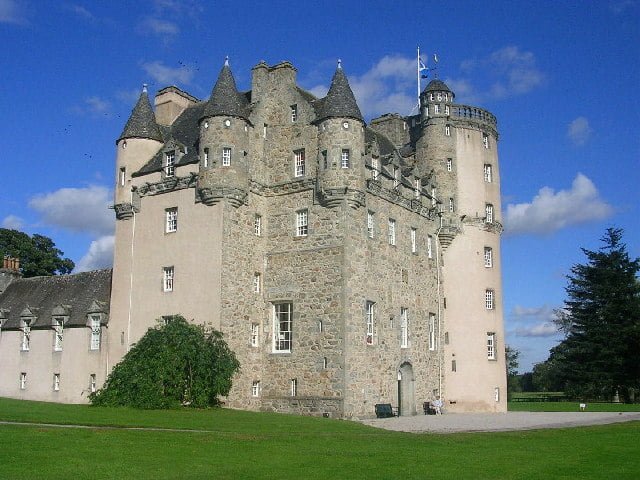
x: 346, y: 264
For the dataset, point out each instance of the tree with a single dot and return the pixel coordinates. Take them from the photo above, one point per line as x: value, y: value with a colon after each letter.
x: 511, y: 357
x: 600, y: 354
x: 38, y: 254
x: 175, y: 363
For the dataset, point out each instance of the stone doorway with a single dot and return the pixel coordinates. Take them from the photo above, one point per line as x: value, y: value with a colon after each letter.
x: 406, y: 390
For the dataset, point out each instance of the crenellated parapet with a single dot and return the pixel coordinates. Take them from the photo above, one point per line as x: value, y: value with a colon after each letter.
x: 476, y: 117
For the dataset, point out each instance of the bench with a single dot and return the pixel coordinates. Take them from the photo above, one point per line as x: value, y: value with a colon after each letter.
x: 385, y: 410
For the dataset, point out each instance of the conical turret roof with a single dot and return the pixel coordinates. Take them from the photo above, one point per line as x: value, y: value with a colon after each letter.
x: 340, y: 101
x: 225, y: 98
x: 436, y: 85
x: 142, y: 122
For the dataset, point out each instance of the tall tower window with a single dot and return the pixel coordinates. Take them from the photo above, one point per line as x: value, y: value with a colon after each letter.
x: 23, y: 381
x: 25, y: 344
x: 414, y: 248
x: 487, y: 173
x: 436, y: 108
x: 205, y: 157
x: 257, y: 225
x: 256, y: 282
x: 58, y: 334
x: 255, y: 388
x: 452, y: 205
x: 433, y: 197
x: 294, y: 387
x: 345, y: 161
x: 491, y: 346
x: 92, y: 383
x: 488, y: 213
x: 294, y: 113
x: 255, y: 335
x: 302, y: 223
x: 170, y: 164
x: 122, y: 176
x: 429, y: 246
x: 404, y: 327
x: 282, y: 323
x: 298, y: 156
x: 485, y: 140
x: 167, y: 279
x: 447, y: 130
x: 370, y: 321
x: 370, y: 224
x: 171, y: 220
x: 449, y: 164
x: 226, y: 156
x: 375, y: 168
x: 446, y: 109
x: 432, y: 331
x: 56, y: 382
x: 392, y: 232
x: 488, y: 257
x: 488, y: 299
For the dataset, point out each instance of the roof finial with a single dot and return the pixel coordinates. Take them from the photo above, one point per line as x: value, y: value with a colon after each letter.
x: 226, y: 61
x: 339, y: 63
x: 144, y: 88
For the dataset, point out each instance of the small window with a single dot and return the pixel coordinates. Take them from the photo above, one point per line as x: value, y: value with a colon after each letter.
x: 325, y: 363
x: 345, y: 161
x: 23, y: 381
x: 122, y: 178
x: 370, y: 321
x: 92, y: 383
x: 485, y: 140
x: 488, y: 257
x: 282, y: 327
x: 294, y: 113
x: 447, y: 130
x: 404, y: 327
x: 170, y: 164
x: 414, y: 248
x: 167, y: 280
x: 370, y: 224
x: 256, y: 282
x: 453, y: 366
x: 255, y: 388
x: 205, y: 157
x: 226, y: 156
x: 171, y: 220
x: 375, y: 168
x: 491, y: 346
x: 439, y: 96
x: 436, y: 108
x: 429, y: 246
x: 299, y: 162
x: 264, y: 130
x: 302, y: 223
x: 452, y: 205
x: 58, y: 334
x: 431, y: 97
x: 433, y: 197
x: 432, y: 332
x: 255, y: 335
x: 325, y: 160
x: 449, y: 164
x: 294, y: 387
x: 56, y: 382
x: 496, y: 394
x: 392, y: 232
x: 320, y: 326
x: 487, y: 173
x: 446, y: 109
x: 488, y: 299
x: 257, y: 225
x: 488, y: 213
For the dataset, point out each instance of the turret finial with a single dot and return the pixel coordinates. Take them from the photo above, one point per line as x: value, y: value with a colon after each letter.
x: 144, y: 88
x: 226, y: 61
x: 339, y: 63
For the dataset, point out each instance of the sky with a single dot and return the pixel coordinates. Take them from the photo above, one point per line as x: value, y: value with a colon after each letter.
x: 562, y: 77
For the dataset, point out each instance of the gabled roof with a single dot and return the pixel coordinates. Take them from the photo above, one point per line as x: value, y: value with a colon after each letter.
x: 340, y: 101
x: 225, y: 98
x: 41, y: 296
x: 142, y: 122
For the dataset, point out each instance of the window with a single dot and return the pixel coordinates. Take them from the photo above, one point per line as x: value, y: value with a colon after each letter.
x: 488, y: 212
x: 413, y: 241
x: 449, y: 164
x: 436, y: 108
x: 122, y: 177
x: 255, y: 388
x: 447, y: 130
x: 488, y: 299
x: 396, y: 177
x: 23, y: 380
x: 485, y: 140
x: 294, y: 113
x: 256, y: 282
x: 171, y: 220
x: 282, y: 313
x: 446, y: 109
x: 452, y: 205
x: 92, y: 383
x: 344, y: 159
x: 433, y: 197
x: 255, y: 335
x: 370, y: 224
x: 56, y: 382
x: 226, y: 156
x: 320, y: 326
x: 404, y: 327
x: 302, y: 223
x: 294, y: 387
x: 453, y: 366
x: 439, y: 97
x: 392, y: 232
x: 488, y: 257
x: 418, y: 188
x: 26, y: 337
x: 264, y: 130
x: 298, y: 156
x: 170, y: 164
x: 325, y: 160
x: 496, y: 394
x: 375, y: 168
x: 432, y: 332
x: 257, y: 225
x: 58, y: 326
x: 487, y: 173
x: 325, y: 362
x: 167, y: 280
x: 491, y: 346
x: 431, y: 96
x: 370, y: 321
x: 205, y: 157
x: 429, y: 246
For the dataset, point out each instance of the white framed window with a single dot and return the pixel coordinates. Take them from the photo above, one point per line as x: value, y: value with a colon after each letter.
x: 375, y: 168
x: 433, y: 197
x: 488, y: 299
x: 257, y: 280
x: 302, y: 223
x: 452, y: 205
x: 56, y: 382
x: 93, y: 386
x: 433, y: 344
x: 58, y: 334
x: 255, y: 388
x: 429, y: 246
x: 417, y: 188
x: 487, y: 173
x: 171, y: 220
x: 370, y: 224
x: 226, y: 156
x: 431, y: 97
x: 488, y: 213
x: 23, y: 380
x: 294, y: 387
x: 96, y: 332
x: 446, y: 109
x: 449, y: 164
x: 391, y: 234
x: 167, y: 279
x: 205, y: 157
x: 404, y: 327
x: 170, y: 164
x: 491, y: 346
x: 436, y: 108
x: 257, y: 225
x: 282, y: 327
x: 447, y: 130
x: 294, y: 113
x: 488, y: 257
x: 370, y: 321
x: 439, y: 97
x: 255, y: 335
x: 299, y: 162
x: 122, y: 177
x: 25, y: 344
x: 485, y: 140
x: 345, y: 158
x: 414, y: 248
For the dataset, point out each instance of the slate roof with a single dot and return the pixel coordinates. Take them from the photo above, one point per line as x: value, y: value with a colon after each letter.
x: 142, y: 122
x: 340, y: 101
x: 44, y: 294
x: 384, y: 144
x: 225, y: 98
x: 436, y: 85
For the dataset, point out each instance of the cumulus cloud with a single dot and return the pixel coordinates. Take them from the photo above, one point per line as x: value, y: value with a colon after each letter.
x: 544, y: 329
x: 544, y: 313
x: 533, y: 321
x: 579, y: 131
x: 12, y: 222
x: 99, y: 255
x: 77, y: 209
x: 12, y: 12
x: 167, y: 75
x: 550, y: 211
x: 93, y: 106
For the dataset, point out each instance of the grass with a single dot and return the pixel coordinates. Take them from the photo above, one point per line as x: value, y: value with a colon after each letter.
x: 572, y: 407
x: 259, y: 445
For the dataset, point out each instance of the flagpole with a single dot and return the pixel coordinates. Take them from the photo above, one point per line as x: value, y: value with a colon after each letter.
x: 419, y: 75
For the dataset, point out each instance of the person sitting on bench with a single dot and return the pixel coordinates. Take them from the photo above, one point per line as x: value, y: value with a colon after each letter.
x: 437, y: 405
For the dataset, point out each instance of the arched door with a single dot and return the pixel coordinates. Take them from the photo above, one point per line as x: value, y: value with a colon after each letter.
x: 406, y: 390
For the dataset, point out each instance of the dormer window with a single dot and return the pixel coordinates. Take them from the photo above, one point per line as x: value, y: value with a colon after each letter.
x: 294, y: 113
x: 25, y: 343
x: 96, y: 331
x: 58, y: 333
x: 170, y: 163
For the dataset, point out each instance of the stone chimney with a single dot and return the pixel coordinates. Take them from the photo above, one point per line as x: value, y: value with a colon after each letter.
x: 170, y: 102
x: 9, y: 272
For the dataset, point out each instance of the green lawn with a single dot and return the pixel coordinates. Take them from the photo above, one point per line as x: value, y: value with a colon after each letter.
x: 239, y: 445
x: 572, y: 407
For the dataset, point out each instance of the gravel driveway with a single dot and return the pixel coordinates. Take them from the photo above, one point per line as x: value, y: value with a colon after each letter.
x: 498, y: 422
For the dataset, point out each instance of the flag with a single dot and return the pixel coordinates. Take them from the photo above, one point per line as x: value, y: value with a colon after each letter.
x: 421, y: 65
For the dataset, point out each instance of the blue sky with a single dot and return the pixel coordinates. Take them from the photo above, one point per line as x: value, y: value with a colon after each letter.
x: 562, y: 78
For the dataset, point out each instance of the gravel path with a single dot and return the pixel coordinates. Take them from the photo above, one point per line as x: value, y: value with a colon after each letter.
x: 498, y: 422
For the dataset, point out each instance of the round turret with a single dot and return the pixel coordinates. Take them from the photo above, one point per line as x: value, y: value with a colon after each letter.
x: 436, y: 99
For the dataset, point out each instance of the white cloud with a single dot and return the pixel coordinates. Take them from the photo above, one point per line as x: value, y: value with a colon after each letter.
x: 80, y: 11
x: 12, y: 222
x: 93, y: 106
x: 159, y: 27
x: 99, y: 255
x: 544, y: 329
x: 167, y: 75
x: 579, y: 131
x: 11, y: 12
x: 550, y: 211
x: 77, y: 209
x: 543, y: 313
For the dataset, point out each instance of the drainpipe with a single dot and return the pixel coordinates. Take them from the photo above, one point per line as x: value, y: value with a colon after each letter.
x: 440, y: 351
x: 133, y: 238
